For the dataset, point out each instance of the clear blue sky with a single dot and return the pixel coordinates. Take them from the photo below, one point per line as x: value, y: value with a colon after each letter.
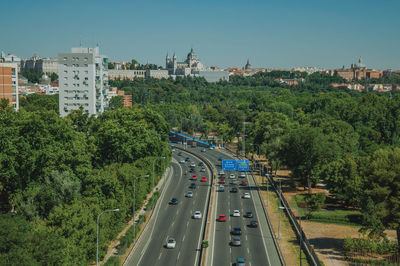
x: 272, y: 34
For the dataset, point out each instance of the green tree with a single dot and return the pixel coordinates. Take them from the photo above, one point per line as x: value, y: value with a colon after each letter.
x: 116, y: 102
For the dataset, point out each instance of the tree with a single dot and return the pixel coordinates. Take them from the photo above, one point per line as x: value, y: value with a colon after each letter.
x: 306, y: 151
x: 53, y: 76
x: 116, y: 102
x: 382, y: 190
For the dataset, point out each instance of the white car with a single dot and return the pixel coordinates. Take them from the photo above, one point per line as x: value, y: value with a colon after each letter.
x: 182, y: 161
x: 173, y: 149
x: 231, y: 176
x: 246, y: 195
x: 193, y: 164
x: 189, y: 194
x: 171, y: 243
x: 236, y: 213
x: 197, y: 215
x: 203, y: 169
x: 243, y: 175
x: 221, y: 172
x: 211, y: 147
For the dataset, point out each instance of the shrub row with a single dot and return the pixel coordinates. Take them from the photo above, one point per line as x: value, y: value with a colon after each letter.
x: 369, y: 245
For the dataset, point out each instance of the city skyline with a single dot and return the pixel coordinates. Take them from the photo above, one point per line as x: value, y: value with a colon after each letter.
x: 226, y: 34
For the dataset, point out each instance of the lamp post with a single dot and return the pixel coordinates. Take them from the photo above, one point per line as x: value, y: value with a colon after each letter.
x: 97, y: 239
x: 267, y: 184
x: 280, y: 208
x: 258, y: 146
x: 134, y: 204
x: 152, y: 182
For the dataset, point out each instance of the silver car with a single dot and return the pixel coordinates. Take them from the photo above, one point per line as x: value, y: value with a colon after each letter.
x: 171, y: 243
x: 189, y: 194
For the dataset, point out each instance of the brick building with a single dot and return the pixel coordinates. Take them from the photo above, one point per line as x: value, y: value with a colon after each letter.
x: 357, y: 71
x: 9, y: 83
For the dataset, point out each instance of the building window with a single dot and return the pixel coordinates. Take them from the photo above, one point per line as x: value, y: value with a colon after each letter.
x: 65, y: 71
x: 86, y: 72
x: 65, y: 65
x: 86, y: 59
x: 65, y: 78
x: 86, y: 65
x: 65, y: 59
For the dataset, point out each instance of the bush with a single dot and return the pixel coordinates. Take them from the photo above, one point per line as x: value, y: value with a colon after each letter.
x: 315, y: 201
x: 369, y: 245
x: 113, y: 261
x: 337, y: 217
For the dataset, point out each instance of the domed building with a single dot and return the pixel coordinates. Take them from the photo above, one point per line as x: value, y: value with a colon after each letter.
x: 192, y: 63
x: 247, y: 66
x: 45, y: 80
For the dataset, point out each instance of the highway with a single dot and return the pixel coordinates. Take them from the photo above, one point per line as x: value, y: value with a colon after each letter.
x: 257, y: 245
x: 174, y: 220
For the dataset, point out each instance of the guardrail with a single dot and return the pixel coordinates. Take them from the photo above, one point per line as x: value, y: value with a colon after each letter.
x: 306, y: 246
x: 210, y: 166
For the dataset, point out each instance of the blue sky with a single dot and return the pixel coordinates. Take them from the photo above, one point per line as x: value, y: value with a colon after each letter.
x: 272, y: 34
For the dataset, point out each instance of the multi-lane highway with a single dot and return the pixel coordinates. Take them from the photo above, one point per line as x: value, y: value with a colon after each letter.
x: 175, y: 221
x: 257, y: 245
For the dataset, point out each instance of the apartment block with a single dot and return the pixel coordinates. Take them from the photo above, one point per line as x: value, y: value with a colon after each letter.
x: 9, y: 83
x: 83, y: 81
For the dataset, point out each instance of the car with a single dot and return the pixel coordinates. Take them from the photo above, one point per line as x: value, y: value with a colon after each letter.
x: 201, y: 163
x: 234, y: 190
x: 222, y: 181
x: 197, y: 215
x: 181, y: 161
x: 187, y: 159
x: 180, y: 153
x: 236, y: 213
x: 211, y: 148
x: 193, y: 186
x: 221, y: 172
x: 246, y: 195
x: 171, y: 243
x: 203, y: 150
x: 253, y: 224
x: 194, y: 177
x: 204, y: 179
x: 220, y: 159
x: 192, y: 165
x: 236, y: 242
x: 189, y: 194
x: 244, y: 183
x: 222, y: 218
x: 221, y: 188
x: 173, y: 201
x: 203, y: 169
x: 241, y: 262
x: 242, y: 175
x: 173, y: 149
x: 236, y: 231
x: 231, y: 176
x: 249, y: 214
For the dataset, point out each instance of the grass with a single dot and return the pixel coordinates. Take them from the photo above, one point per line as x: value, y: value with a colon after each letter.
x: 335, y: 216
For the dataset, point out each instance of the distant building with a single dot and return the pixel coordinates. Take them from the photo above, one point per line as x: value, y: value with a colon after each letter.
x: 126, y: 74
x: 157, y: 73
x: 83, y: 81
x: 113, y: 92
x: 212, y: 75
x: 192, y: 63
x: 358, y: 71
x: 290, y: 82
x: 9, y: 83
x: 247, y: 66
x: 45, y: 65
x: 309, y: 70
x: 11, y: 58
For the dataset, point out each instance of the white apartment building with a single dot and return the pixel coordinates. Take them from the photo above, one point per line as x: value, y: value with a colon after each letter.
x: 83, y: 81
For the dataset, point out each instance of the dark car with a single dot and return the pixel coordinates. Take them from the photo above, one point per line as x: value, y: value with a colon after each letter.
x: 180, y: 153
x: 187, y: 159
x: 220, y: 159
x: 249, y: 214
x: 241, y: 262
x: 234, y: 190
x: 237, y: 231
x: 193, y: 185
x: 253, y: 224
x: 201, y: 163
x: 192, y: 170
x: 173, y: 201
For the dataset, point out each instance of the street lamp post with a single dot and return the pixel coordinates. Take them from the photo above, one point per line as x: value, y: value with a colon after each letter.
x: 152, y: 182
x: 134, y: 204
x: 280, y: 208
x: 97, y: 238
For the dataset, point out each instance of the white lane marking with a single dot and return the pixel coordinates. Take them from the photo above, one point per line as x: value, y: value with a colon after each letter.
x: 178, y: 255
x: 159, y: 257
x: 261, y: 228
x: 187, y: 224
x: 184, y: 237
x: 248, y: 252
x: 156, y: 210
x: 246, y: 240
x: 173, y: 223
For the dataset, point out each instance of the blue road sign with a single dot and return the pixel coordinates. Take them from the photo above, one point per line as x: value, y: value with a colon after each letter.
x: 243, y: 165
x: 229, y: 165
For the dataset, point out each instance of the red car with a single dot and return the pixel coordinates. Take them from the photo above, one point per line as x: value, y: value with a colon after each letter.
x: 222, y: 181
x: 244, y: 183
x: 194, y: 177
x: 222, y: 218
x: 204, y: 179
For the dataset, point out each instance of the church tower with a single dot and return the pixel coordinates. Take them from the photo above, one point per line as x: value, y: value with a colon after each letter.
x: 247, y: 66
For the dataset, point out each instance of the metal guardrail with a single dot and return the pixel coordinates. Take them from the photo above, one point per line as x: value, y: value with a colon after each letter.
x: 209, y: 195
x: 306, y: 246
